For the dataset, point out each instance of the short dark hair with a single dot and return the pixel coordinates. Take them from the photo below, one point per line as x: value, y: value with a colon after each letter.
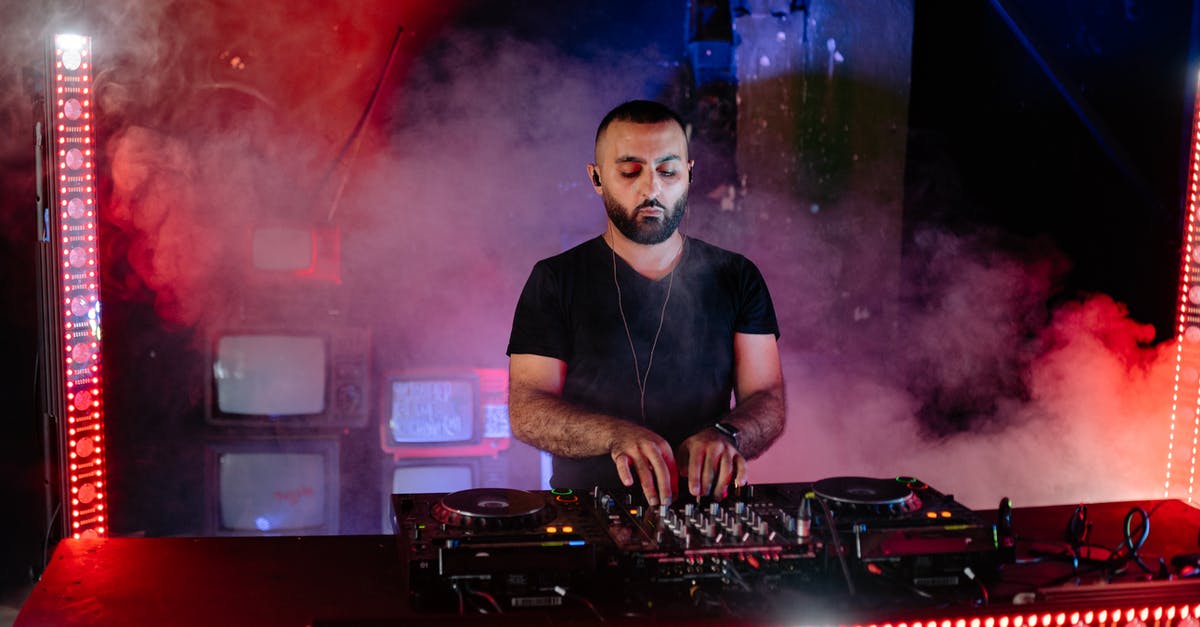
x: 640, y: 112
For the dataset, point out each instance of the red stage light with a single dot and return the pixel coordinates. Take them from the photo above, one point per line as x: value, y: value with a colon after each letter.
x: 81, y: 359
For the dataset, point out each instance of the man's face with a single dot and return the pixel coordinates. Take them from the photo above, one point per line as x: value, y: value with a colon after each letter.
x: 643, y: 170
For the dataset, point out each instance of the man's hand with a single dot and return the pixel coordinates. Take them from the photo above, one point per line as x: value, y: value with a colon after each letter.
x: 638, y: 449
x: 711, y: 462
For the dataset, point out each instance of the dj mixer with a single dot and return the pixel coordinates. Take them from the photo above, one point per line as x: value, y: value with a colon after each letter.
x: 519, y: 549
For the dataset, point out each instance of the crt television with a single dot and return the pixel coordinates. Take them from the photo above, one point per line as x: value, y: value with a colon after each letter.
x: 288, y: 376
x: 267, y: 486
x: 283, y: 252
x: 439, y: 475
x: 441, y: 413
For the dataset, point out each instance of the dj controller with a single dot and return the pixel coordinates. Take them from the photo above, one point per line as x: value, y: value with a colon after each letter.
x: 504, y: 549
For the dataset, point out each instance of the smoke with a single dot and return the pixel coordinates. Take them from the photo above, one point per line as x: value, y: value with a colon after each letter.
x: 485, y: 175
x: 990, y: 391
x: 216, y: 118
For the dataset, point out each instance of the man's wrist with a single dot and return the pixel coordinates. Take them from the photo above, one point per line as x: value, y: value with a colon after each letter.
x: 731, y: 433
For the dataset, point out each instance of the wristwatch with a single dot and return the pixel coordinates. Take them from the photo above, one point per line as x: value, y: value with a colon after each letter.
x: 729, y: 431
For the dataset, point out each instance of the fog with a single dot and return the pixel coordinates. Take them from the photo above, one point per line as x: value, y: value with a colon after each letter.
x: 977, y: 373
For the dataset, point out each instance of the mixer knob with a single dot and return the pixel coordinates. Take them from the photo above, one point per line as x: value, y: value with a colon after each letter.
x: 740, y: 508
x: 664, y: 511
x: 689, y: 510
x: 736, y: 529
x: 714, y: 508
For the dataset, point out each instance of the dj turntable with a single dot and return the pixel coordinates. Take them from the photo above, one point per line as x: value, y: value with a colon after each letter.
x: 537, y: 549
x: 908, y: 529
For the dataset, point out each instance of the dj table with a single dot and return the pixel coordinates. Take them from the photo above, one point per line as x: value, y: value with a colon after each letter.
x: 862, y: 552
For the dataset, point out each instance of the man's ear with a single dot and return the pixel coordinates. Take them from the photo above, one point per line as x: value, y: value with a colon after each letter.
x: 594, y: 174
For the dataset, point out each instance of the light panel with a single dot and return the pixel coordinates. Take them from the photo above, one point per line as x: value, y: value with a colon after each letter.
x: 1184, y: 430
x: 1099, y: 615
x: 73, y: 175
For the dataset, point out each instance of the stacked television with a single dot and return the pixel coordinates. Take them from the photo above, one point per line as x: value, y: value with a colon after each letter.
x: 303, y: 422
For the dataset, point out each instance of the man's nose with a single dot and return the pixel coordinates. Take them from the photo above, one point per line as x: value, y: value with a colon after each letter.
x: 650, y: 186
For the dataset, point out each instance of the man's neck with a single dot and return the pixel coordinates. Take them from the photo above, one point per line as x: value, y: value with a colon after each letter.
x: 653, y: 261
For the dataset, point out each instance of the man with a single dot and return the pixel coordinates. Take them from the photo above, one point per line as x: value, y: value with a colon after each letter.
x: 625, y: 349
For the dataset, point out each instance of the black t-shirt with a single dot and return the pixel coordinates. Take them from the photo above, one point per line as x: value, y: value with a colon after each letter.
x: 569, y: 311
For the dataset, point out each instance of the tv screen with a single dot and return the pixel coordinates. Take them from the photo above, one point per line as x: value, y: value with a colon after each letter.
x: 272, y: 487
x: 294, y: 254
x: 282, y: 248
x: 286, y: 376
x: 426, y: 476
x: 432, y: 408
x: 432, y: 478
x: 270, y: 375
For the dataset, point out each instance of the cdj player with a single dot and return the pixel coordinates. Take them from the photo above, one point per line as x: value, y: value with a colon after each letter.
x: 506, y: 548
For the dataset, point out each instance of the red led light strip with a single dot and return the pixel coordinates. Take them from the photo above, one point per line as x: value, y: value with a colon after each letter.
x: 1185, y: 397
x: 1172, y: 615
x: 74, y: 198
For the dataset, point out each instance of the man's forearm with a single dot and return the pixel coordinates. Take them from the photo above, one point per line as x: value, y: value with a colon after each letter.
x: 759, y: 419
x: 547, y: 422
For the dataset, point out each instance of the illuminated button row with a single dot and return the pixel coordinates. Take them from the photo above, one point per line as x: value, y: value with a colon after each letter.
x: 941, y: 514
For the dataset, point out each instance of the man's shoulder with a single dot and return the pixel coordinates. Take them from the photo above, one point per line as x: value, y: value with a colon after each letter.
x: 574, y: 254
x: 714, y: 255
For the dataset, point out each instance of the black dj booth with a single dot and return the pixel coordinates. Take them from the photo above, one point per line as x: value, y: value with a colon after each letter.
x: 836, y: 552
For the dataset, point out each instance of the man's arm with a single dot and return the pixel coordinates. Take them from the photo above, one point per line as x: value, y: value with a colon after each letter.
x: 541, y: 418
x: 761, y: 408
x: 709, y: 457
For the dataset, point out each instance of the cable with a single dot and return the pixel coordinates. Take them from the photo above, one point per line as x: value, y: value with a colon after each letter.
x: 735, y: 576
x: 46, y: 542
x: 356, y: 134
x: 487, y: 597
x: 837, y: 544
x: 1128, y: 550
x: 461, y: 606
x: 1133, y: 539
x: 983, y: 591
x: 562, y: 592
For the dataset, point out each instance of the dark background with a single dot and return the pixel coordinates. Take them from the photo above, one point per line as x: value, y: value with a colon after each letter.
x: 994, y: 149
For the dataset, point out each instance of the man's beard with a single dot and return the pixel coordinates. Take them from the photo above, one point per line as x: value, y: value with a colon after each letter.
x: 650, y: 231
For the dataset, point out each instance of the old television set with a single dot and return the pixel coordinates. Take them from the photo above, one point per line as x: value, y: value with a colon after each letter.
x: 288, y: 376
x: 427, y: 413
x: 439, y: 475
x: 269, y: 486
x: 282, y: 252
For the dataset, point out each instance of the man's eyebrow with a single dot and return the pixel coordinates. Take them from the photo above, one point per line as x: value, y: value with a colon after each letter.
x: 662, y: 159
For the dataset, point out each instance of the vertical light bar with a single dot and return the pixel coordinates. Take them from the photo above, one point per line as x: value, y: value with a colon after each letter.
x: 1185, y: 396
x: 73, y: 178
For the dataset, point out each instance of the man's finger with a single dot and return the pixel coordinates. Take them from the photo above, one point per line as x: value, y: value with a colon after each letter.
x: 646, y: 472
x: 622, y: 462
x: 724, y: 473
x: 662, y: 463
x: 709, y: 476
x: 695, y: 467
x: 743, y: 472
